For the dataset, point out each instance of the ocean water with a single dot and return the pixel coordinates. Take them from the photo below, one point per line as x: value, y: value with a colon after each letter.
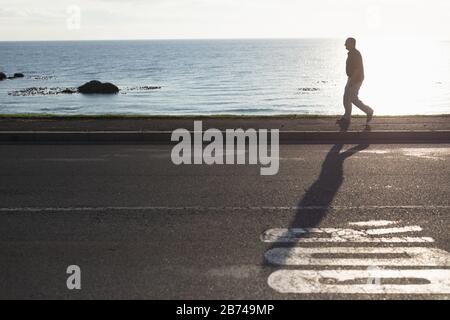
x: 225, y: 76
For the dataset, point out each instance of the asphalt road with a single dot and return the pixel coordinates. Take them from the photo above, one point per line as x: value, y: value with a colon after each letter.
x: 140, y: 227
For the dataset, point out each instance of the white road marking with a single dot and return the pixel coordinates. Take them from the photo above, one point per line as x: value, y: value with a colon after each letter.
x: 407, y: 256
x: 69, y: 159
x: 394, y: 230
x: 330, y: 235
x: 371, y: 281
x: 373, y: 223
x: 206, y: 208
x: 312, y: 282
x: 377, y: 151
x: 427, y: 153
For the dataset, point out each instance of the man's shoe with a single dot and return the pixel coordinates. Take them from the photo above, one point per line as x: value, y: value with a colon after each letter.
x: 369, y: 117
x: 343, y: 120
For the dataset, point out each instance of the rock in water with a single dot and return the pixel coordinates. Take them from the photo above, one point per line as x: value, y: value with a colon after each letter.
x: 93, y: 87
x: 2, y: 76
x: 19, y: 75
x: 69, y: 91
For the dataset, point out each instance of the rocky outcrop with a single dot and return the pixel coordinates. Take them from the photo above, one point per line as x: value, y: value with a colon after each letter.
x: 69, y: 91
x: 42, y: 91
x: 15, y: 76
x: 97, y: 87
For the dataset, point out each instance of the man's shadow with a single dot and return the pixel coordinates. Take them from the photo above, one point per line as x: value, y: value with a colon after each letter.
x: 316, y: 202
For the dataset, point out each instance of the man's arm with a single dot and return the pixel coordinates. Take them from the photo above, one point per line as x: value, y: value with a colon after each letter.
x: 357, y: 68
x: 356, y: 76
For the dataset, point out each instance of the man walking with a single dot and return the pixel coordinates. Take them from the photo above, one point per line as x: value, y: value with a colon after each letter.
x: 355, y: 73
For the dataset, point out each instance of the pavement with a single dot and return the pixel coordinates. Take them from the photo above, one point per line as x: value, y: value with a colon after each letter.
x: 283, y: 123
x: 337, y: 222
x: 293, y: 130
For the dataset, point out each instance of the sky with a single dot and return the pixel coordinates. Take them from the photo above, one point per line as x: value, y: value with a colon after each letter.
x: 191, y: 19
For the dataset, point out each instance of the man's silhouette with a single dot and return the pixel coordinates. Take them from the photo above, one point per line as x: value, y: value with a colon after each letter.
x: 355, y: 73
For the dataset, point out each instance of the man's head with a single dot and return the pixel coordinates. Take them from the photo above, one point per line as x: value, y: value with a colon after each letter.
x: 350, y: 44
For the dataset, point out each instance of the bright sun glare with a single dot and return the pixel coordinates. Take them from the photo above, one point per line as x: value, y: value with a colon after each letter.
x: 403, y: 74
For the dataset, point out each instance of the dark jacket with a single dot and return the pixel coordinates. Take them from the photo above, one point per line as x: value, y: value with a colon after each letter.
x: 355, y: 64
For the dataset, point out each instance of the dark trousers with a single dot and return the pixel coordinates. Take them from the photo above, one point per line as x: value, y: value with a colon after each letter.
x: 351, y: 97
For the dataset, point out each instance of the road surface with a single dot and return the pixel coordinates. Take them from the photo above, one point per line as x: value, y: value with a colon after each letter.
x: 336, y: 222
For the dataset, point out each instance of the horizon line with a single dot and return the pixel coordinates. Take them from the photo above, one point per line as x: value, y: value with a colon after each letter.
x: 199, y: 39
x: 175, y: 39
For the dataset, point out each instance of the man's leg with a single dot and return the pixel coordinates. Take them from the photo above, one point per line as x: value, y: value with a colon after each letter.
x: 348, y: 103
x: 355, y: 100
x: 365, y: 108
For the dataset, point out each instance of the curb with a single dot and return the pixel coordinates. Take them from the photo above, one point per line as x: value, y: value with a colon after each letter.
x: 164, y: 137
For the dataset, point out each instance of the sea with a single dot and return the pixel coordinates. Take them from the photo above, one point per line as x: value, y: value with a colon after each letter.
x: 226, y: 77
